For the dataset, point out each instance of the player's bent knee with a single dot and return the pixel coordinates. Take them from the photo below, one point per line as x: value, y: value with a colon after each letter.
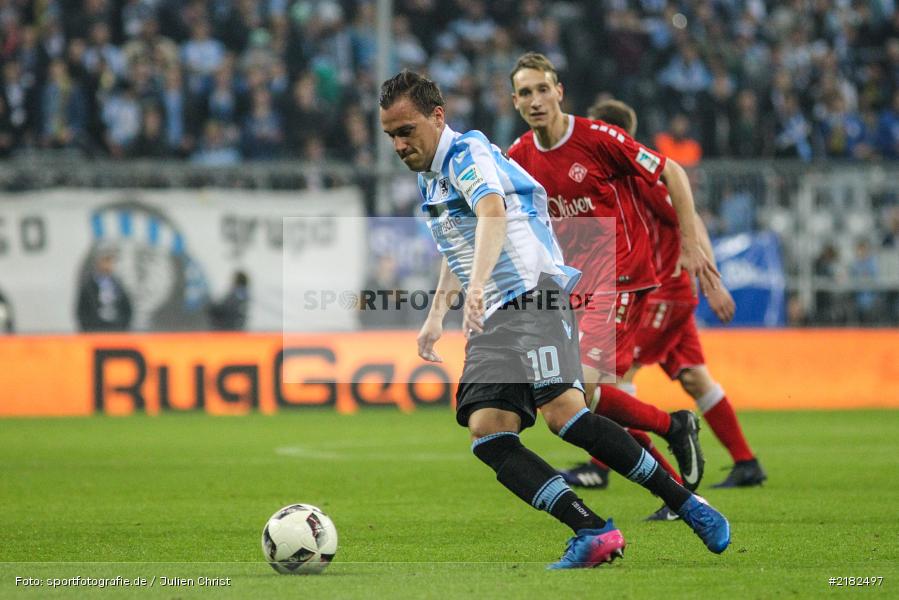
x: 561, y: 409
x: 695, y: 381
x: 487, y: 421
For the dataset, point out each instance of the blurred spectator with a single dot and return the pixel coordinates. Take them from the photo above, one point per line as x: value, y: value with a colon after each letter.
x: 63, y: 108
x: 201, y: 56
x: 737, y: 212
x: 748, y: 131
x: 85, y: 15
x: 407, y: 49
x: 7, y: 322
x: 101, y: 50
x: 685, y: 77
x: 628, y: 42
x: 498, y: 59
x: 306, y: 114
x: 677, y: 143
x: 863, y: 275
x: 7, y: 133
x: 262, y: 134
x: 448, y: 66
x: 121, y: 115
x: 830, y: 309
x: 314, y: 155
x: 529, y: 23
x: 460, y: 105
x: 222, y: 102
x: 549, y: 43
x: 792, y: 138
x: 891, y: 237
x: 151, y: 142
x: 103, y: 304
x: 497, y: 117
x: 358, y: 150
x: 364, y: 38
x: 18, y: 96
x: 841, y: 130
x: 150, y: 44
x: 177, y: 110
x: 331, y: 48
x: 888, y: 129
x: 230, y: 313
x: 714, y: 114
x: 135, y: 15
x: 797, y: 315
x: 218, y: 148
x: 474, y: 28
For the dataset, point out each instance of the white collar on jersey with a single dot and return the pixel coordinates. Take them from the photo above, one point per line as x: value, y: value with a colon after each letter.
x: 561, y: 141
x: 443, y: 146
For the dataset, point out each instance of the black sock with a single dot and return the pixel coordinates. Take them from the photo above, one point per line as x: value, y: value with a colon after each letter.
x: 530, y: 478
x: 609, y: 442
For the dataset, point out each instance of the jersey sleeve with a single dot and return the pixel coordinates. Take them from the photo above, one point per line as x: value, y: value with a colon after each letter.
x: 473, y: 171
x: 655, y: 197
x: 624, y: 155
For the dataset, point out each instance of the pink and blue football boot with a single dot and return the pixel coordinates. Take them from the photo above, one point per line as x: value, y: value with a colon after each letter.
x: 592, y: 547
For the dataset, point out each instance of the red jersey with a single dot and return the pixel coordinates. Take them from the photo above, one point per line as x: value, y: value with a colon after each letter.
x: 590, y: 173
x: 664, y: 233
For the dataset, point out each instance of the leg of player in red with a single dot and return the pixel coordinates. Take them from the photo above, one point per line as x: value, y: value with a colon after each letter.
x: 607, y: 347
x: 678, y: 351
x: 719, y: 414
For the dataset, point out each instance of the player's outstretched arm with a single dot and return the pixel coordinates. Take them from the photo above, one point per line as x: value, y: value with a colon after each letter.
x: 692, y: 258
x: 448, y: 288
x: 490, y: 235
x: 720, y: 300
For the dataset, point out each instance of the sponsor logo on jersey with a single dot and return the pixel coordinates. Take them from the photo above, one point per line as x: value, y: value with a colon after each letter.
x: 560, y: 208
x: 469, y: 180
x: 648, y: 160
x: 577, y: 172
x: 444, y: 225
x: 594, y: 354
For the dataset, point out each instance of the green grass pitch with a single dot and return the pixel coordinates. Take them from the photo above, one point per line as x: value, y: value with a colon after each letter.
x: 419, y: 516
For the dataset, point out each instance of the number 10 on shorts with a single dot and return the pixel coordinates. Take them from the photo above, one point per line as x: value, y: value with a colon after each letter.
x: 544, y: 362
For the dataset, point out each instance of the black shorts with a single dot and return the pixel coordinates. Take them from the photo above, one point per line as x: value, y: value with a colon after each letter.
x: 527, y: 356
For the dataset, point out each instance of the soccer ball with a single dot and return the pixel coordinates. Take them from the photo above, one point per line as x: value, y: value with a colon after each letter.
x: 299, y: 538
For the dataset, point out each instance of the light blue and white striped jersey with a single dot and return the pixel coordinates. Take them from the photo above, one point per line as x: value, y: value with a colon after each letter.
x: 466, y: 168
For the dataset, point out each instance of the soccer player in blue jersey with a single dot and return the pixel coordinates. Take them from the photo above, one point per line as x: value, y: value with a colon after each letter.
x: 489, y: 219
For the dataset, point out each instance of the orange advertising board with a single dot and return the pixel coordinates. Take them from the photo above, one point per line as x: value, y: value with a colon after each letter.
x: 236, y: 373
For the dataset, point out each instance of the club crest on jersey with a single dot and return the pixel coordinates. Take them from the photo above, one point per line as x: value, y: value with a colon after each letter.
x: 444, y: 187
x: 577, y: 172
x: 647, y: 160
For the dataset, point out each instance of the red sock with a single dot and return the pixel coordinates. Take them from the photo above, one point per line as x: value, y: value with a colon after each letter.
x: 723, y: 421
x: 645, y: 441
x: 599, y: 464
x: 626, y: 410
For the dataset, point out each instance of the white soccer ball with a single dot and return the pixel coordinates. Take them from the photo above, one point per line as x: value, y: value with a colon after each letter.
x: 299, y: 538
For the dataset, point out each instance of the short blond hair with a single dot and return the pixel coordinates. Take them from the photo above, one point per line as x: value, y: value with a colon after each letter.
x: 533, y: 60
x: 615, y: 112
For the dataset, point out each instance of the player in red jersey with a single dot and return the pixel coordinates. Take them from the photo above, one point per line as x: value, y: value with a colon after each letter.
x: 587, y: 169
x: 667, y: 333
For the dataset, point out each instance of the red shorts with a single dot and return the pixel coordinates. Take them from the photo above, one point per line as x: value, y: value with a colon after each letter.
x: 609, y: 330
x: 668, y: 336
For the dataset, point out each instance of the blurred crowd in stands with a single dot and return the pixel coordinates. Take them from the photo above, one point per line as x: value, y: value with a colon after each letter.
x: 221, y: 81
